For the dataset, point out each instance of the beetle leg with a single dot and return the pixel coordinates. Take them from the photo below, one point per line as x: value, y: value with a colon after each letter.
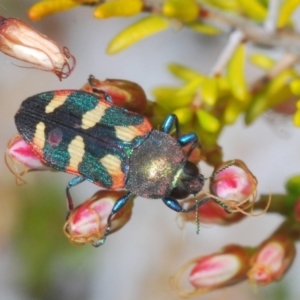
x: 189, y: 139
x: 90, y: 80
x: 72, y: 183
x: 106, y: 96
x: 120, y: 203
x: 99, y: 92
x: 169, y: 122
x: 184, y: 140
x: 174, y: 204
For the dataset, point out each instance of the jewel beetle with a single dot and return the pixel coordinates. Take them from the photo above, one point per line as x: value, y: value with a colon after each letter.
x: 86, y: 135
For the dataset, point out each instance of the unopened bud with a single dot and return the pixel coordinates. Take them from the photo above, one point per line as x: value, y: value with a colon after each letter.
x: 233, y: 181
x: 272, y: 260
x: 124, y: 93
x: 21, y: 41
x: 214, y: 271
x: 211, y: 213
x: 87, y: 222
x: 20, y: 158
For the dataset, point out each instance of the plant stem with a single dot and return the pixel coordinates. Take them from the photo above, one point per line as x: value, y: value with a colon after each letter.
x: 234, y: 40
x: 287, y: 61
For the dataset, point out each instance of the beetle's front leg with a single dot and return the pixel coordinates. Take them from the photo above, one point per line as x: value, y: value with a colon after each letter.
x: 184, y: 140
x: 120, y: 203
x: 175, y: 205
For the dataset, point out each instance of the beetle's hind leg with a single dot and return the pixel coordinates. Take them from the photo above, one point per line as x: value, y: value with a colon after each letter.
x: 71, y: 184
x: 120, y: 203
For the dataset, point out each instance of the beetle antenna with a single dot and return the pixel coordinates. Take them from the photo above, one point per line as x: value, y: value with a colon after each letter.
x: 222, y: 204
x: 220, y: 170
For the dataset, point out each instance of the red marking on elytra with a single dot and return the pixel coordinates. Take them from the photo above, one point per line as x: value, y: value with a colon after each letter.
x: 55, y: 137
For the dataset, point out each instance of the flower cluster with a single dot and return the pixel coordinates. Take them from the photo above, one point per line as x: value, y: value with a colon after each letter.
x: 261, y: 265
x: 204, y: 104
x: 234, y: 263
x: 215, y: 100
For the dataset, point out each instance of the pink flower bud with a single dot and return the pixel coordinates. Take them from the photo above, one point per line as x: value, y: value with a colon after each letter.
x: 234, y: 181
x: 272, y: 260
x: 18, y: 153
x: 214, y: 271
x: 124, y: 93
x: 21, y: 41
x: 211, y: 213
x: 88, y: 221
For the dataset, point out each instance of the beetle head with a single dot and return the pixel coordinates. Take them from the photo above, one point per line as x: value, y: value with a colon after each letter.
x: 190, y: 181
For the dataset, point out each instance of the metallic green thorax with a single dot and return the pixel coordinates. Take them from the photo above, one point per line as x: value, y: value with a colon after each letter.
x: 154, y: 165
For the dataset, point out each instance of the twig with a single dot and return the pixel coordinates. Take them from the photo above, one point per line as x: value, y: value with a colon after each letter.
x: 287, y: 61
x: 289, y: 41
x: 235, y: 39
x: 270, y: 23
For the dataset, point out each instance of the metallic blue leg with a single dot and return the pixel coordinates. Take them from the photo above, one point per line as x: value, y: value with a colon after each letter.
x: 120, y: 203
x: 184, y: 140
x: 174, y: 204
x: 169, y: 122
x: 189, y: 139
x: 71, y: 184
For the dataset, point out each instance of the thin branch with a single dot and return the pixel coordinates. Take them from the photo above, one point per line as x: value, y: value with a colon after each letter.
x: 287, y: 61
x: 289, y: 41
x: 270, y: 23
x: 234, y: 41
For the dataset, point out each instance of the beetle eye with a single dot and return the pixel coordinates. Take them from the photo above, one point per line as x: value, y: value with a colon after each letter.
x: 191, y: 169
x: 179, y: 193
